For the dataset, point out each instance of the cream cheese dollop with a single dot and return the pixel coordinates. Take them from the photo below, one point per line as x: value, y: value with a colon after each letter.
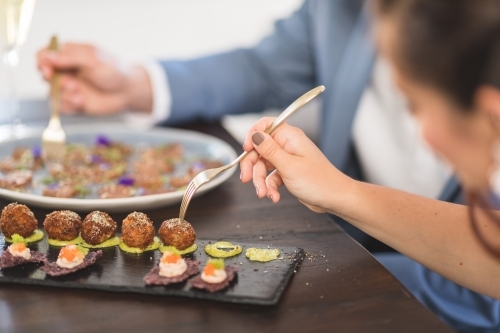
x: 77, y: 260
x: 173, y: 269
x: 219, y: 276
x: 26, y: 254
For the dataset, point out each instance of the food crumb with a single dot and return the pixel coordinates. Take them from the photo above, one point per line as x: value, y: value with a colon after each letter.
x: 321, y: 297
x: 256, y: 270
x: 327, y: 270
x: 241, y: 263
x: 238, y: 226
x: 260, y: 237
x: 307, y: 283
x: 265, y: 271
x: 295, y: 271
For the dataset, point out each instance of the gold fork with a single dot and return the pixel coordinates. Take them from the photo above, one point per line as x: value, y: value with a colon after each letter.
x: 207, y: 175
x: 53, y: 137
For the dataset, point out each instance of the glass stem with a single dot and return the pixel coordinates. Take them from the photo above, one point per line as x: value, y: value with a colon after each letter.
x: 11, y: 59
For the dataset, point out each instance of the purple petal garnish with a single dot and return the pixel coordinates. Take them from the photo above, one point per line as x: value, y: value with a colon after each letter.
x: 53, y: 186
x: 140, y: 191
x: 127, y: 181
x: 36, y: 151
x: 102, y: 140
x: 198, y: 165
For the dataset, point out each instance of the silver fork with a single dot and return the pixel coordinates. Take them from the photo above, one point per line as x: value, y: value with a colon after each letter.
x: 207, y: 175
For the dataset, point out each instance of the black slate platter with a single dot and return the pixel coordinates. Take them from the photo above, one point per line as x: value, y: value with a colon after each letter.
x: 116, y: 271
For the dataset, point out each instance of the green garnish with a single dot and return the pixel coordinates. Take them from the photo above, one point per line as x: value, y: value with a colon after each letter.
x: 55, y: 242
x: 16, y: 238
x: 34, y: 237
x: 217, y: 263
x: 192, y: 248
x: 129, y: 249
x: 108, y: 243
x: 222, y: 250
x: 48, y: 181
x: 83, y: 250
x: 262, y: 255
x: 81, y: 191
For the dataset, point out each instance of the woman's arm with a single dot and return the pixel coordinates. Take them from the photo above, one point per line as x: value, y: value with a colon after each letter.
x: 434, y: 233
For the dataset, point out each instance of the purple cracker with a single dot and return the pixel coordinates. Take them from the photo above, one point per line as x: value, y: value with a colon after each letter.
x: 153, y: 278
x: 198, y: 283
x: 52, y: 269
x: 8, y: 260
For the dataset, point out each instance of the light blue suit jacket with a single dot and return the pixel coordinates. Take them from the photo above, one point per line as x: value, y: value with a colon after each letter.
x: 326, y: 42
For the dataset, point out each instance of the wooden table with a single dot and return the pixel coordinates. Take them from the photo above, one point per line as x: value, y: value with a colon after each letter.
x: 340, y: 287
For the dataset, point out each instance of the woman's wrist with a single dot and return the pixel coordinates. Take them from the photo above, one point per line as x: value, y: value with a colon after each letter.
x: 343, y: 195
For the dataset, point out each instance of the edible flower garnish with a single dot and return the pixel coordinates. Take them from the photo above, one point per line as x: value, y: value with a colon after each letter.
x: 102, y: 140
x: 36, y: 151
x: 126, y: 180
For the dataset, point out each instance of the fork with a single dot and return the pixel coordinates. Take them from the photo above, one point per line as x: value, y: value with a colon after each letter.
x: 207, y: 175
x: 53, y: 137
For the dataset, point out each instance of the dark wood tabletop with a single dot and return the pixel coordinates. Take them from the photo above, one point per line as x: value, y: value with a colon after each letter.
x: 340, y: 287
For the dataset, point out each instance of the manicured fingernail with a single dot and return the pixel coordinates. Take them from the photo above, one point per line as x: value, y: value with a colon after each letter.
x: 271, y: 198
x: 257, y: 138
x: 244, y: 142
x: 257, y: 190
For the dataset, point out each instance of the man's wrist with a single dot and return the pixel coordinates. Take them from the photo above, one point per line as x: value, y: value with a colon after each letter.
x: 138, y: 92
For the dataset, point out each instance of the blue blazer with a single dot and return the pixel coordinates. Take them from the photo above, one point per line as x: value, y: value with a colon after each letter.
x: 326, y: 42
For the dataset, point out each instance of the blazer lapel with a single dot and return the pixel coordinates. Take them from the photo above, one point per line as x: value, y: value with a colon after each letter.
x: 341, y: 103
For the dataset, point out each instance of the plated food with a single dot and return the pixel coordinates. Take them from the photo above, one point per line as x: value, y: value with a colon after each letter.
x: 18, y: 254
x: 63, y: 227
x: 99, y: 230
x: 171, y: 269
x: 138, y: 234
x: 215, y: 277
x: 72, y: 258
x: 107, y: 169
x: 222, y: 250
x: 262, y: 255
x: 17, y: 219
x: 179, y: 234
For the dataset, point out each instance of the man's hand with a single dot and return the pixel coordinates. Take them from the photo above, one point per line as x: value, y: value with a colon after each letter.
x: 94, y: 82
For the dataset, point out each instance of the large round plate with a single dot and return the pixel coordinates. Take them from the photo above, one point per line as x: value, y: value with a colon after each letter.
x: 195, y: 144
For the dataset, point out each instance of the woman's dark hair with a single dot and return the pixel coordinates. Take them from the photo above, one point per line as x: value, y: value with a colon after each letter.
x: 452, y: 45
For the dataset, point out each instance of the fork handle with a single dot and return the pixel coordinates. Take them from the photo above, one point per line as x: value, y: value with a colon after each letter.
x: 291, y: 109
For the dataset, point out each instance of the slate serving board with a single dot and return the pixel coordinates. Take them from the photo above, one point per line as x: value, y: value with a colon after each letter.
x: 117, y: 271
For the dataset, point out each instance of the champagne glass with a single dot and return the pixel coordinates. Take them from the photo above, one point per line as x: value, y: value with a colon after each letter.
x: 15, y: 21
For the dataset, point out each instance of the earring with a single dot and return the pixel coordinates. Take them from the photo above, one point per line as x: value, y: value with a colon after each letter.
x: 495, y: 169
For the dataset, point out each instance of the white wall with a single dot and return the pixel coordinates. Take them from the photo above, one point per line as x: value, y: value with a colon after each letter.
x: 135, y: 29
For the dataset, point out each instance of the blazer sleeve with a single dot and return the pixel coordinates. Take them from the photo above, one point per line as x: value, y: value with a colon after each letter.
x: 270, y: 75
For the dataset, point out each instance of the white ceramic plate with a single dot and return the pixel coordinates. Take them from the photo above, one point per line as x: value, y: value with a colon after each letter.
x: 196, y: 145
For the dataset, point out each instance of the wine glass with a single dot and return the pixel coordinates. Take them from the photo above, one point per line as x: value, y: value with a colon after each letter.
x: 15, y: 21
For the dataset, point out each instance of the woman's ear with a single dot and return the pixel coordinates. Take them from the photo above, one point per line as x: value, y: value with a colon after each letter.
x: 488, y: 100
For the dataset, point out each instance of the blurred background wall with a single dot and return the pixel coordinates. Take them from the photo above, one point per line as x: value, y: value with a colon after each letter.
x: 137, y: 29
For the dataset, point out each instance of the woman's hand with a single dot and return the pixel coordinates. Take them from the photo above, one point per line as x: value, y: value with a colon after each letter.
x: 95, y: 82
x: 299, y: 164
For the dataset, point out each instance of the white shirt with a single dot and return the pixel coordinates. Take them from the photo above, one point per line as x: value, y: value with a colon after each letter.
x: 390, y: 148
x: 387, y: 138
